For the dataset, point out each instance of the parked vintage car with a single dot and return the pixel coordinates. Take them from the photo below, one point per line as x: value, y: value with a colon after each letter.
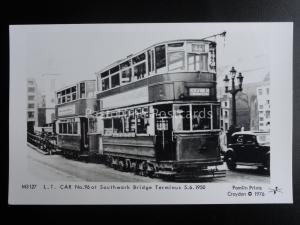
x: 249, y: 148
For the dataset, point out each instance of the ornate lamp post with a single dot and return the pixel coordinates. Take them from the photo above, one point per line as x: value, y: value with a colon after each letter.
x: 234, y: 90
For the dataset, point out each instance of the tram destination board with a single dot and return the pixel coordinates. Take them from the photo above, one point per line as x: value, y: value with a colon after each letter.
x: 190, y: 115
x: 199, y: 91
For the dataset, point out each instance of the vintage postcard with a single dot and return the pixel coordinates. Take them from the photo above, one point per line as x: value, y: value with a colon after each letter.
x: 177, y: 113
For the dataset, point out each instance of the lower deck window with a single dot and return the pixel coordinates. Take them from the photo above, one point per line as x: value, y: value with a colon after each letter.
x: 129, y: 124
x: 107, y: 123
x: 141, y: 125
x: 68, y: 128
x: 92, y: 125
x: 118, y: 125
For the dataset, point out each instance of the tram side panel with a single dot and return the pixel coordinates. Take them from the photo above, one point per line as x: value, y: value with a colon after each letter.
x: 69, y: 142
x: 139, y: 147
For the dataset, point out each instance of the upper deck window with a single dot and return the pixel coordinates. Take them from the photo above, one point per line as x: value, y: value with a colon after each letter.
x: 126, y: 75
x: 176, y: 46
x: 197, y: 62
x: 198, y: 54
x: 198, y: 48
x: 160, y: 56
x: 124, y: 65
x: 82, y: 90
x: 115, y: 80
x: 105, y: 84
x: 193, y: 62
x: 90, y: 89
x: 67, y: 95
x: 139, y: 58
x: 140, y: 71
x: 150, y: 54
x: 104, y: 74
x: 204, y: 62
x: 114, y: 69
x: 175, y: 61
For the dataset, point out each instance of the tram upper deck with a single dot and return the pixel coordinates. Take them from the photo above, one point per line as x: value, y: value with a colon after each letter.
x: 171, y: 70
x: 76, y: 99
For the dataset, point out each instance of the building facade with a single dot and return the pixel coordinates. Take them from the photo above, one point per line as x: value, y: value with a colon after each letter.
x: 242, y: 111
x: 263, y: 102
x: 46, y: 105
x: 225, y: 112
x: 32, y: 112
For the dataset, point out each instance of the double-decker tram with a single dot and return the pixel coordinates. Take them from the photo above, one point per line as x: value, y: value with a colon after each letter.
x: 73, y: 104
x: 158, y: 111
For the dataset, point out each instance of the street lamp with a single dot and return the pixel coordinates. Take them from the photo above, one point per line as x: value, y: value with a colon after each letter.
x: 234, y: 90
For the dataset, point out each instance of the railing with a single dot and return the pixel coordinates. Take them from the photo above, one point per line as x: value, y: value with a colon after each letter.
x: 45, y: 142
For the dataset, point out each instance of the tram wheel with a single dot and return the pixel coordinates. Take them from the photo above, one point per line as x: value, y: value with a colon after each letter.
x: 127, y: 165
x: 121, y: 165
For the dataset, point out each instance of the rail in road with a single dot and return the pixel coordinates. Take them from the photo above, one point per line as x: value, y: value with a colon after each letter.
x: 56, y: 167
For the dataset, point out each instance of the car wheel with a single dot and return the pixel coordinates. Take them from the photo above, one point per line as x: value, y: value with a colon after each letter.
x: 267, y: 164
x: 230, y: 161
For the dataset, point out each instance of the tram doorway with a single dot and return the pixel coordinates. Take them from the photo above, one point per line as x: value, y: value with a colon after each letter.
x: 165, y: 147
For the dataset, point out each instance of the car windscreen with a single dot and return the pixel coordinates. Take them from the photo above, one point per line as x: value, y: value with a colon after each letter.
x: 263, y: 139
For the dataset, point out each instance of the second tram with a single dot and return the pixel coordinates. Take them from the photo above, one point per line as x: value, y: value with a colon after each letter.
x: 73, y: 105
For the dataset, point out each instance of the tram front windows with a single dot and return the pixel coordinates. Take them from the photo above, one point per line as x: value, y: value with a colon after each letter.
x: 201, y: 117
x: 182, y: 117
x: 196, y: 117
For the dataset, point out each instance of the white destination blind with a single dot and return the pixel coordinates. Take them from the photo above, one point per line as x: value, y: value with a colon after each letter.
x: 66, y: 110
x: 199, y: 91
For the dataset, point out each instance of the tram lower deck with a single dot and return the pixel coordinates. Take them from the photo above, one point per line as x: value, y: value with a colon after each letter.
x: 72, y: 137
x: 172, y: 140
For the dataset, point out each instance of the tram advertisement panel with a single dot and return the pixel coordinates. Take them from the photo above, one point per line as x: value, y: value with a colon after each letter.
x: 190, y: 115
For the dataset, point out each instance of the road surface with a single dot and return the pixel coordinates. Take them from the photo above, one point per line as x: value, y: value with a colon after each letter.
x: 58, y: 168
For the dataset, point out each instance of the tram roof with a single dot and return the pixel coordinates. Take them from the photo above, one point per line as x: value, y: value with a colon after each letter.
x: 151, y: 46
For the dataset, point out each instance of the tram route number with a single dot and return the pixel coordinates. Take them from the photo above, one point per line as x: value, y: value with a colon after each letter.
x: 194, y: 187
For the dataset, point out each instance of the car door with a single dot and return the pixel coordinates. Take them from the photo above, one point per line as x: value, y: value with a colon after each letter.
x: 238, y: 147
x: 251, y: 149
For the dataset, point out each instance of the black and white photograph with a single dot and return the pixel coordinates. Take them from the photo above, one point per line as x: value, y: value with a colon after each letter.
x: 105, y: 112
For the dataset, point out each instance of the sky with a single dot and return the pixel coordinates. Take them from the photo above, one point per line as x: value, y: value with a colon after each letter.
x: 77, y: 52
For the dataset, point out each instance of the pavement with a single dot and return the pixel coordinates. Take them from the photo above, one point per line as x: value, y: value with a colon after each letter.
x: 58, y: 168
